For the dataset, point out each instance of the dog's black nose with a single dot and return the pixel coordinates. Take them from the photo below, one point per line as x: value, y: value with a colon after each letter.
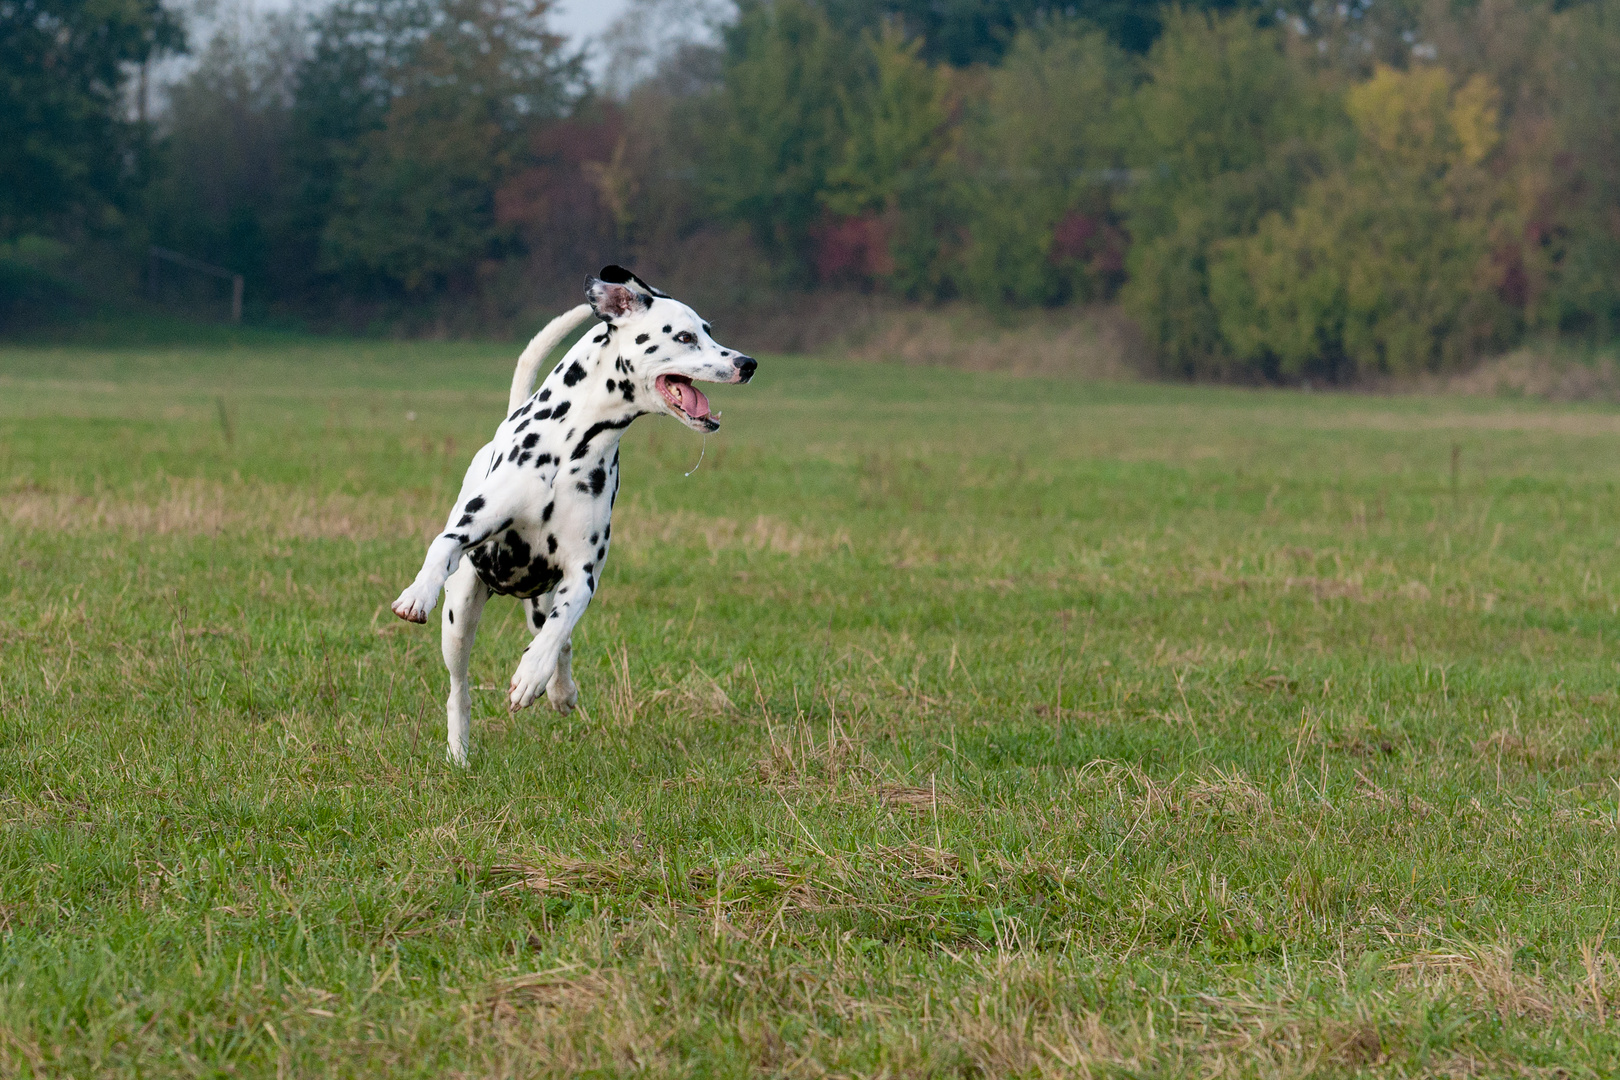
x: 745, y: 368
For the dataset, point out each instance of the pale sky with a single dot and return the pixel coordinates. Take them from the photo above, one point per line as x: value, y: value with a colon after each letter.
x: 578, y: 19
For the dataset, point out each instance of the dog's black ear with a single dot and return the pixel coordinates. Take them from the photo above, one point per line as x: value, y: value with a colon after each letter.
x: 612, y: 300
x: 618, y: 275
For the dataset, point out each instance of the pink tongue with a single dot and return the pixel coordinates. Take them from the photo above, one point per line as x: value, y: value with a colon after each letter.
x: 693, y: 401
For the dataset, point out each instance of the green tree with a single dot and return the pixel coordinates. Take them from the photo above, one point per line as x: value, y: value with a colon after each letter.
x: 222, y: 179
x: 442, y: 111
x: 64, y: 131
x: 1041, y: 151
x: 896, y: 121
x: 1578, y: 223
x: 1383, y: 268
x: 1224, y: 131
x: 777, y: 132
x: 964, y: 32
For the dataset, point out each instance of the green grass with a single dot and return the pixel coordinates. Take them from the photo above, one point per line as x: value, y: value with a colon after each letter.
x: 939, y: 724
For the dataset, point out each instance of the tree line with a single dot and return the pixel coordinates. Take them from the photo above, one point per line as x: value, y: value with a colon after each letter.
x: 1318, y: 190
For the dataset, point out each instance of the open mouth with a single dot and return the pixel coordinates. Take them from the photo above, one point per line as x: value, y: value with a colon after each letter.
x: 683, y: 397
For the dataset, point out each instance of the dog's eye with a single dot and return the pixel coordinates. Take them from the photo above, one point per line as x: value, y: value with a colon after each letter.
x: 686, y: 337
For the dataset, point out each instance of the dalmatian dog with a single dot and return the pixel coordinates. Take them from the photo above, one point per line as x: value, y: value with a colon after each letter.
x: 534, y: 514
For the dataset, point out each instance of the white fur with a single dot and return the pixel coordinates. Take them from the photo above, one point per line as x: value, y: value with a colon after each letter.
x: 539, y: 347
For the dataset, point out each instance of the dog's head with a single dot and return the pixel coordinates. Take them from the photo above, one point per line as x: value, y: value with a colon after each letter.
x: 666, y: 344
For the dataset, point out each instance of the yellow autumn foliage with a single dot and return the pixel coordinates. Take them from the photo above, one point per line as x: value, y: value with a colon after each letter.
x: 1382, y: 267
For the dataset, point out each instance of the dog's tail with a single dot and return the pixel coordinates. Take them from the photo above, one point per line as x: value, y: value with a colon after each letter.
x: 535, y: 353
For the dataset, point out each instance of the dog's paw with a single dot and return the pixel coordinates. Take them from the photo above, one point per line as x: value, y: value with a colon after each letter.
x: 524, y: 688
x: 412, y: 608
x: 563, y: 696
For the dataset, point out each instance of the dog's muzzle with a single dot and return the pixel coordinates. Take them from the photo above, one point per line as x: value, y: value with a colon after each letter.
x: 745, y: 368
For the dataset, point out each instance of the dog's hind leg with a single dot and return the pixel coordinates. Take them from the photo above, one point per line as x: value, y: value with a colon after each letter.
x: 561, y: 690
x: 464, y: 597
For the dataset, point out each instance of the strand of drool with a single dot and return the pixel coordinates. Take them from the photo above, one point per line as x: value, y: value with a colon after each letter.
x: 705, y: 450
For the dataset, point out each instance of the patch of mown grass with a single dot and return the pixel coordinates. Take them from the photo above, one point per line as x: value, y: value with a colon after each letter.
x: 939, y: 724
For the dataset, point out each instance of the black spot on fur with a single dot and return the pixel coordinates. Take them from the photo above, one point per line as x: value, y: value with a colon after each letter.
x: 601, y: 553
x: 524, y: 458
x: 561, y: 410
x: 666, y: 329
x: 651, y: 349
x: 543, y: 414
x: 543, y: 459
x: 539, y: 619
x: 593, y: 431
x: 545, y: 515
x: 590, y: 582
x: 611, y: 385
x: 545, y: 395
x: 450, y: 615
x: 475, y: 504
x: 530, y: 439
x: 641, y: 339
x: 523, y: 425
x: 629, y: 391
x: 508, y: 566
x: 575, y: 373
x: 551, y: 544
x: 593, y: 538
x: 466, y: 519
x: 598, y: 480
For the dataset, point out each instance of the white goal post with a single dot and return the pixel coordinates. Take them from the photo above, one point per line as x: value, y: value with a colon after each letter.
x: 155, y: 253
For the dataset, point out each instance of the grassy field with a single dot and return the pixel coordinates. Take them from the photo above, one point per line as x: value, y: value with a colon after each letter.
x: 939, y: 724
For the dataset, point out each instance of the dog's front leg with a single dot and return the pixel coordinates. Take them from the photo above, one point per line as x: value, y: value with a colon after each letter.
x: 473, y: 522
x: 561, y: 690
x: 543, y: 658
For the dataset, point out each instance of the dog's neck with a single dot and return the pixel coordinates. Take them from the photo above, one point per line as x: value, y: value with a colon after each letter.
x: 595, y: 390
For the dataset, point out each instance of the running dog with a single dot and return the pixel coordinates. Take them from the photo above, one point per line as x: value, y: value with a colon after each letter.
x: 534, y: 513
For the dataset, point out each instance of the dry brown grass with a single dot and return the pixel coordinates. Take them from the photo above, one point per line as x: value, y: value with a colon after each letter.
x: 205, y: 508
x: 1487, y: 976
x: 1091, y: 343
x: 1538, y: 374
x: 545, y: 872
